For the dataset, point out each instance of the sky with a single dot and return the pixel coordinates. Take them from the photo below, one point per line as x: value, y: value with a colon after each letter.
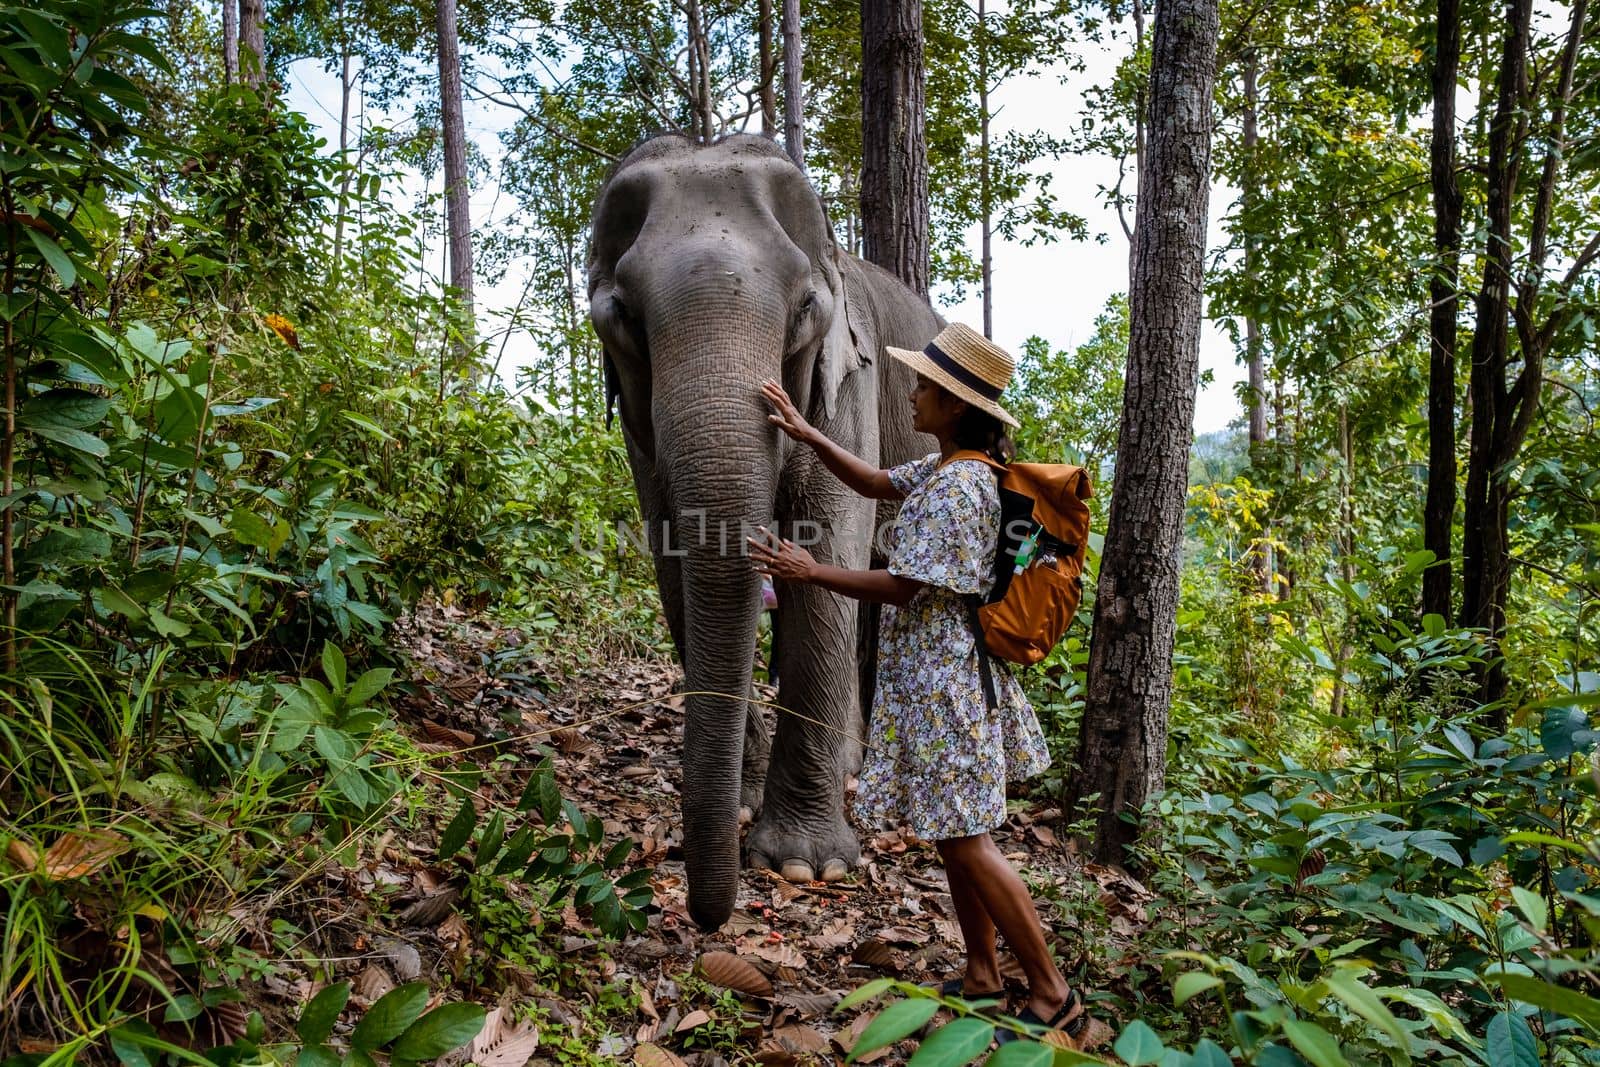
x: 1052, y: 291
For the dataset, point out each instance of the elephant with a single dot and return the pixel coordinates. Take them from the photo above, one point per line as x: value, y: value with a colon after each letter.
x: 713, y: 268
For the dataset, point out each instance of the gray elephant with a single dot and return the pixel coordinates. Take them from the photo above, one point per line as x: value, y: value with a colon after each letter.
x: 712, y: 269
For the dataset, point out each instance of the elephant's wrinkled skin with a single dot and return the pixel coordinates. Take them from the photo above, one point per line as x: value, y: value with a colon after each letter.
x: 712, y: 269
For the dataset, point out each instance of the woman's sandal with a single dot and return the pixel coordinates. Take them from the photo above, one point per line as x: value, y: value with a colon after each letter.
x: 1073, y: 1026
x: 957, y: 987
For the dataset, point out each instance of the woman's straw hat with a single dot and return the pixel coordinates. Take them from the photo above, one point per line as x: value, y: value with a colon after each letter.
x: 967, y: 364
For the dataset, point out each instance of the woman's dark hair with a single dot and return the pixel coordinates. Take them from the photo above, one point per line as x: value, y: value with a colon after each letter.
x: 980, y: 431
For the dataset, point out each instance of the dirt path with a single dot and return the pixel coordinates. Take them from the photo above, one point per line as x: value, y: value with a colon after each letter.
x: 669, y: 994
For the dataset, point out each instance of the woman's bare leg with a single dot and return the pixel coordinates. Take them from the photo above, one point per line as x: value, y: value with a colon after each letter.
x: 1006, y: 903
x: 977, y: 929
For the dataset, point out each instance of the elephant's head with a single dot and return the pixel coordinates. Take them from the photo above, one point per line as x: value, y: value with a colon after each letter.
x: 712, y: 269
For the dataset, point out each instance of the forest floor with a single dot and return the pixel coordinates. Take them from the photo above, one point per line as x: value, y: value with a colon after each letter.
x: 670, y: 994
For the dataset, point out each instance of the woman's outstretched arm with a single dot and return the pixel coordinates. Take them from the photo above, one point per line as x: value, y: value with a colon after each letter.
x: 786, y: 561
x: 852, y: 470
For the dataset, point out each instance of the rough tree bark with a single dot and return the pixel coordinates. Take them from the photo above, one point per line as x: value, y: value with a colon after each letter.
x: 769, y: 100
x: 230, y: 41
x: 794, y: 127
x: 1123, y: 742
x: 985, y: 193
x: 252, y: 58
x: 1502, y: 410
x: 894, y: 154
x: 700, y: 72
x: 1255, y: 362
x: 1438, y: 513
x: 458, y: 219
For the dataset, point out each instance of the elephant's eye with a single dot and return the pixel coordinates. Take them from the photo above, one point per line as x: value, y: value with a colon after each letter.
x: 808, y: 302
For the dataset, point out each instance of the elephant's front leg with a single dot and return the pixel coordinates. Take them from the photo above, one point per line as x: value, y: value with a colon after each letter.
x: 802, y: 832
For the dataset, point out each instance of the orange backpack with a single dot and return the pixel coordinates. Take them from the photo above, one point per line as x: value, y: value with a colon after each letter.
x: 1038, y: 562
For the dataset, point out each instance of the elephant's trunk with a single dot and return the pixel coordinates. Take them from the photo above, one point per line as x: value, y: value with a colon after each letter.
x: 721, y: 460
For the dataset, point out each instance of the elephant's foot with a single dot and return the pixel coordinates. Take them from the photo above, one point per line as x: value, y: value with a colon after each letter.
x: 805, y: 852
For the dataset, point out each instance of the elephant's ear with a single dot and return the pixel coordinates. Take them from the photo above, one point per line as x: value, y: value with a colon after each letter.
x: 842, y: 352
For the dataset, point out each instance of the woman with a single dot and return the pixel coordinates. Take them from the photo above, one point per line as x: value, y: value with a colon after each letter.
x: 939, y: 757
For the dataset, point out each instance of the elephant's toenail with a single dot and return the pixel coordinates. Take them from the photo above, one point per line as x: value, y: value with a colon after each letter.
x: 835, y: 871
x: 745, y: 815
x: 798, y: 871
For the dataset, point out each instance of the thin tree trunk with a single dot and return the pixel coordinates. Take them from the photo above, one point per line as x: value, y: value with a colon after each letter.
x: 894, y: 155
x: 985, y: 195
x: 1260, y: 553
x: 794, y: 127
x: 1438, y: 515
x: 700, y: 70
x: 230, y: 41
x: 1139, y: 117
x: 1346, y: 542
x: 458, y: 220
x: 1485, y: 565
x: 769, y: 100
x: 252, y: 42
x: 346, y: 83
x: 1122, y: 745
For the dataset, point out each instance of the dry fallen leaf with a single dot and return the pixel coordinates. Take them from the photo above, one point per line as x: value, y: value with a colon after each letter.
x: 647, y: 1055
x: 694, y: 1020
x: 874, y: 953
x: 781, y: 953
x: 730, y: 972
x: 503, y: 1042
x: 82, y: 852
x: 373, y: 982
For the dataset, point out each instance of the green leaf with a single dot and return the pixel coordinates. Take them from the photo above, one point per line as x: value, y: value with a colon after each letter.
x: 321, y: 1012
x: 618, y: 853
x: 390, y: 1016
x: 899, y: 1019
x: 77, y: 440
x: 1551, y: 997
x: 65, y: 409
x: 863, y: 993
x: 1510, y: 1043
x: 952, y: 1046
x: 1314, y: 1043
x: 1210, y: 1054
x: 1138, y: 1044
x: 489, y: 844
x: 1533, y: 906
x: 1021, y: 1054
x: 446, y: 1027
x: 607, y: 910
x: 1345, y: 985
x: 460, y: 829
x: 333, y: 666
x: 53, y: 254
x: 250, y: 529
x: 1557, y: 729
x: 335, y: 746
x: 166, y: 625
x: 1192, y: 984
x: 316, y: 1056
x: 114, y: 599
x: 369, y: 685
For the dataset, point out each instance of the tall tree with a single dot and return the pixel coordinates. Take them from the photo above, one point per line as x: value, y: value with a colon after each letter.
x: 1503, y: 408
x: 230, y: 41
x: 794, y: 126
x: 768, y: 71
x: 458, y: 220
x: 1440, y: 506
x: 1123, y: 743
x: 894, y: 153
x: 252, y: 41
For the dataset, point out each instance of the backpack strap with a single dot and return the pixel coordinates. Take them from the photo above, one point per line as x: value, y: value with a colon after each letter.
x: 985, y: 671
x: 973, y: 601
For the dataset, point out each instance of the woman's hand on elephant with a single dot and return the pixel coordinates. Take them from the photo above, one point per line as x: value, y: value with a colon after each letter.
x: 779, y: 558
x: 786, y: 416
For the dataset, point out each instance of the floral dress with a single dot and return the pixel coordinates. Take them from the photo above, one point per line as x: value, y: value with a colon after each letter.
x: 939, y: 759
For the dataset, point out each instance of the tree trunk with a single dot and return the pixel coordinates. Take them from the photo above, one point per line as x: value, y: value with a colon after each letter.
x: 794, y: 127
x: 252, y: 57
x: 1260, y: 554
x: 1123, y: 744
x: 769, y: 101
x: 1438, y: 514
x: 700, y: 71
x: 458, y: 221
x: 894, y: 154
x: 1484, y: 564
x: 985, y: 195
x: 230, y: 41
